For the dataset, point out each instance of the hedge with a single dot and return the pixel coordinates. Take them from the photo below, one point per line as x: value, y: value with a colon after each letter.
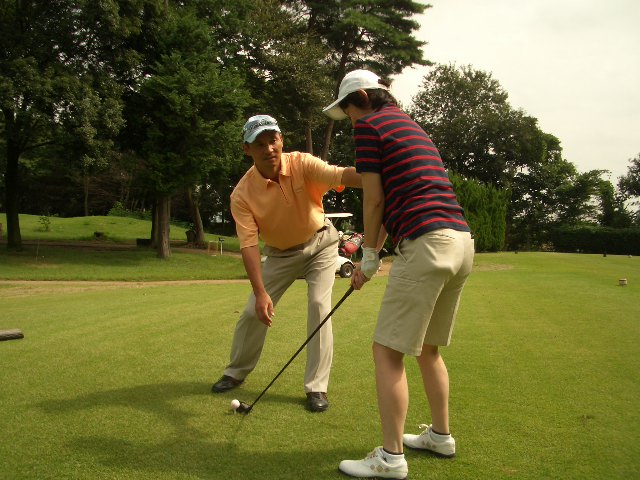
x: 485, y: 209
x: 593, y: 239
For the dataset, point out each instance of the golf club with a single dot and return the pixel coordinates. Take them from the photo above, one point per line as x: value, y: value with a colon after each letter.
x: 243, y: 407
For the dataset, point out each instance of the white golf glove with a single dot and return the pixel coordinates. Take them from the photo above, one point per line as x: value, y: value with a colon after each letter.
x: 370, y: 262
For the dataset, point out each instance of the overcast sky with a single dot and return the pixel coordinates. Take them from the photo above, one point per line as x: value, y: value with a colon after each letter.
x: 572, y: 64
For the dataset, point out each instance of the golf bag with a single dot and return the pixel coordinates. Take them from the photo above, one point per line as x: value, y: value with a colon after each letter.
x: 349, y: 244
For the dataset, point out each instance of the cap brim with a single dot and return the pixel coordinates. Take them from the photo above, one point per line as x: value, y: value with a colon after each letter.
x: 334, y: 111
x: 258, y: 131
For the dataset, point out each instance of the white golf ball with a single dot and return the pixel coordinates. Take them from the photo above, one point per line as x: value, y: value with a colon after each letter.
x: 235, y: 404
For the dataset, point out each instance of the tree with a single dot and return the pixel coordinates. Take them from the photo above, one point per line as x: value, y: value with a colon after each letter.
x: 286, y: 70
x: 629, y: 184
x: 58, y: 63
x: 183, y: 113
x: 550, y: 193
x: 575, y: 198
x: 31, y: 75
x: 613, y: 212
x: 534, y: 202
x: 377, y: 34
x: 467, y: 114
x: 485, y: 209
x: 479, y: 135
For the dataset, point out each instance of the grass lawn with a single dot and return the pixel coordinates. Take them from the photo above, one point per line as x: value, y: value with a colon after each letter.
x: 43, y: 257
x: 46, y: 262
x: 119, y: 230
x: 112, y: 381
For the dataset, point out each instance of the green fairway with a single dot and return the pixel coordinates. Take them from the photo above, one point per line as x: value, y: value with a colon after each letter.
x: 112, y: 381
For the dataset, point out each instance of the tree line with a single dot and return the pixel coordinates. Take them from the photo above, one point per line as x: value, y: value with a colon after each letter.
x: 481, y: 136
x: 139, y: 104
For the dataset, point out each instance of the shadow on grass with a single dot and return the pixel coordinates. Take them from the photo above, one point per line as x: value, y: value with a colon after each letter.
x: 237, y: 449
x: 213, y: 459
x: 157, y: 399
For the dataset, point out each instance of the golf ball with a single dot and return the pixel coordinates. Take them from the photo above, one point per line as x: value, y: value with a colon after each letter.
x: 235, y: 404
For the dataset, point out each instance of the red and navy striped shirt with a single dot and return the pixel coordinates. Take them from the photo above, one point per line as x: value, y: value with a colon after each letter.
x: 419, y: 197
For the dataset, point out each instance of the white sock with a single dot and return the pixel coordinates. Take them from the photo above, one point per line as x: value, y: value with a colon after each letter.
x: 439, y: 438
x: 392, y: 459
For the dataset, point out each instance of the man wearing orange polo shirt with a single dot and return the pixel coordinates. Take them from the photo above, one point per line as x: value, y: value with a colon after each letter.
x: 279, y: 199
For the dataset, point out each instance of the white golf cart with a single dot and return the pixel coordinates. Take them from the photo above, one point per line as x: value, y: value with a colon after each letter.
x: 349, y: 244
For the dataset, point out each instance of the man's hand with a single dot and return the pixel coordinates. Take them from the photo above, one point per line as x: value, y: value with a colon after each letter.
x: 264, y: 308
x: 370, y: 262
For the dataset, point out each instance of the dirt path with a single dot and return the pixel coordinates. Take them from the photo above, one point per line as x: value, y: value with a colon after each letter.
x: 109, y: 246
x: 21, y: 288
x: 12, y: 288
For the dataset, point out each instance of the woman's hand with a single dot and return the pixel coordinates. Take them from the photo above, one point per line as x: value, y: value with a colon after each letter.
x: 358, y: 279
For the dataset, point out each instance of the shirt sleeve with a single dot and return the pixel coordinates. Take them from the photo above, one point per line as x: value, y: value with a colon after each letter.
x: 322, y: 172
x: 246, y: 226
x: 367, y: 143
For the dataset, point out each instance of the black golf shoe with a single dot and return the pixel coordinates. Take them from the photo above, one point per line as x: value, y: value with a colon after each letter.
x: 317, y: 402
x: 225, y: 384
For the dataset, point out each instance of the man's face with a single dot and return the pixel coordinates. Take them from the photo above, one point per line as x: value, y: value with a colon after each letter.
x: 265, y: 152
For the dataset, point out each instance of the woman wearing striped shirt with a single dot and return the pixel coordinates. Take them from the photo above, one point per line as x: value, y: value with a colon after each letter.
x: 407, y: 195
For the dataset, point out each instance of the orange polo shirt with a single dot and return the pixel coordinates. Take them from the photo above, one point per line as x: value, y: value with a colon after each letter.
x: 287, y: 213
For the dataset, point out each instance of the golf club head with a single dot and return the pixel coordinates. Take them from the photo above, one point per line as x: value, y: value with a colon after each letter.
x: 244, y: 408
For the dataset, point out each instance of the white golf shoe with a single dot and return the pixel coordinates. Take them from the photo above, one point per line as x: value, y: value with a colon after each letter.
x: 443, y: 445
x: 375, y: 465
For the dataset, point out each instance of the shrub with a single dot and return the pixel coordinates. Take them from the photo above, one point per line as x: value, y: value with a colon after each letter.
x: 45, y: 221
x: 593, y: 239
x: 118, y: 210
x: 485, y: 208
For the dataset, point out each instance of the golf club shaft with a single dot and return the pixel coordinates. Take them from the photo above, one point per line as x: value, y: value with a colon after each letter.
x: 344, y: 297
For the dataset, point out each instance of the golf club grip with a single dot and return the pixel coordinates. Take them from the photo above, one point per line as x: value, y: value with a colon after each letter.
x: 344, y: 297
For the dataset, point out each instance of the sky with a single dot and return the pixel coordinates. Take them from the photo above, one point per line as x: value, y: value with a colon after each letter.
x: 572, y: 64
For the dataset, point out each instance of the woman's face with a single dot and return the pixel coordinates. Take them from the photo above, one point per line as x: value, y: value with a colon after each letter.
x: 356, y: 113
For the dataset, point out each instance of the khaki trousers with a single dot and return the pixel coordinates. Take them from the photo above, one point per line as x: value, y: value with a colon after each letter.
x: 314, y: 260
x: 423, y: 292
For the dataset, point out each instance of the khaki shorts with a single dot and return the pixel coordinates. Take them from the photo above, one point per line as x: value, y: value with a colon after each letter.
x: 423, y: 292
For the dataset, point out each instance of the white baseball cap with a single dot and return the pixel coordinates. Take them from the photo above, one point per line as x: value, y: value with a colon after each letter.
x: 258, y: 124
x: 352, y: 82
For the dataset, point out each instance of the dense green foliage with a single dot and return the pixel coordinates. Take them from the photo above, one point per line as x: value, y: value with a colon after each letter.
x: 593, y: 239
x: 485, y: 209
x: 141, y: 102
x: 629, y: 187
x: 480, y: 135
x: 630, y: 183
